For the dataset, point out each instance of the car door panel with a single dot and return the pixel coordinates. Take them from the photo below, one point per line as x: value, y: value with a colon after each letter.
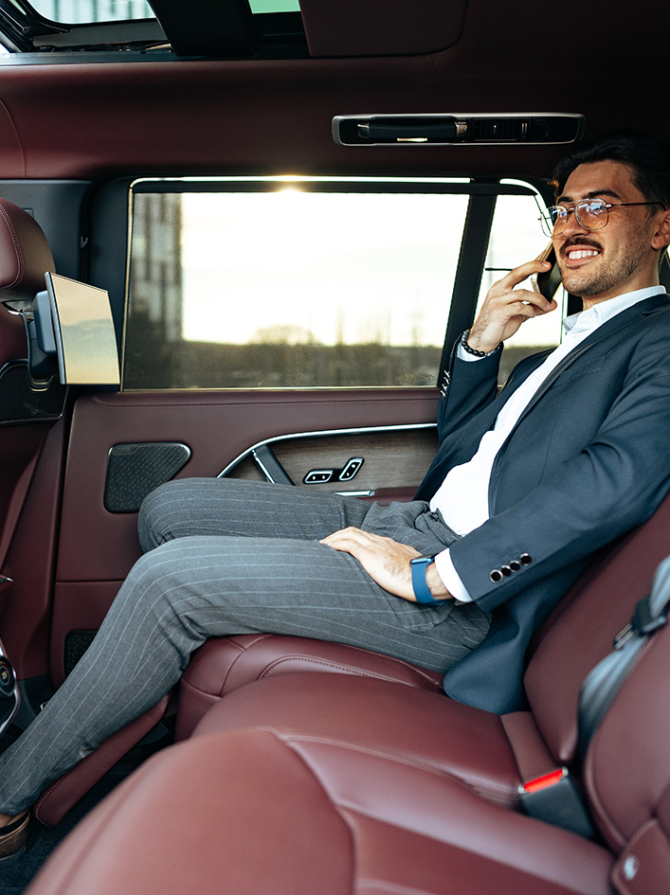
x: 98, y: 547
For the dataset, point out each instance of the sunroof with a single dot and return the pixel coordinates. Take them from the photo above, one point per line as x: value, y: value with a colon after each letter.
x: 219, y: 31
x: 79, y: 12
x: 259, y: 6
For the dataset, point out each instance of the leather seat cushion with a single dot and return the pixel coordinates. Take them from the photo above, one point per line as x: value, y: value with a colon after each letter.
x: 256, y: 813
x: 426, y: 729
x: 222, y: 665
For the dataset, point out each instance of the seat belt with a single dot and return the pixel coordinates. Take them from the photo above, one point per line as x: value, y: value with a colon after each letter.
x: 604, y: 682
x: 554, y: 797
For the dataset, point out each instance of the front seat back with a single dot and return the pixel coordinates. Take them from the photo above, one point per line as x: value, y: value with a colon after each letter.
x: 25, y: 256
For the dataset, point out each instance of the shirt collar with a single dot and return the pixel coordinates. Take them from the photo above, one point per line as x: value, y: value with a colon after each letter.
x: 595, y: 316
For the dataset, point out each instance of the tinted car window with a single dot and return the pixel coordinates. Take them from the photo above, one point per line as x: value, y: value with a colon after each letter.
x: 289, y: 287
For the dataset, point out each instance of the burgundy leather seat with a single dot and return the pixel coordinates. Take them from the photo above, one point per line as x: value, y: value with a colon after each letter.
x: 373, y: 781
x: 369, y: 707
x: 491, y: 753
x: 265, y: 810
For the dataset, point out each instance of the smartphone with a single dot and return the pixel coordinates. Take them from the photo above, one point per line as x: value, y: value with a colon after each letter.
x: 547, y: 283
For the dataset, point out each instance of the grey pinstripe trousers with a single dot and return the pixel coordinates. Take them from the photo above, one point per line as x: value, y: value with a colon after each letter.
x: 228, y: 557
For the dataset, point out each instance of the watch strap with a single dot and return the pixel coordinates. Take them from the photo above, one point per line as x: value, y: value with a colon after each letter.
x: 419, y: 566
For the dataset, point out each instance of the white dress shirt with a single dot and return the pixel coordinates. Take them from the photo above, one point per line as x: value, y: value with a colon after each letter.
x: 463, y: 496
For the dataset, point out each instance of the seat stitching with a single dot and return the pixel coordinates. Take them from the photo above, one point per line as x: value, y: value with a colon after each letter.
x: 17, y: 248
x: 356, y: 672
x: 390, y: 755
x: 242, y: 650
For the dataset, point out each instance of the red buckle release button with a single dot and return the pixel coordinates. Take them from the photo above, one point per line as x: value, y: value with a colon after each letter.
x: 544, y: 781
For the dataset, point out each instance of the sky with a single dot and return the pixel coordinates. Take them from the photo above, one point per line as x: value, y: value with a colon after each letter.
x: 351, y: 267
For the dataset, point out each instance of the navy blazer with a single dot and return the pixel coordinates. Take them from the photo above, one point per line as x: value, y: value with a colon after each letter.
x: 588, y: 460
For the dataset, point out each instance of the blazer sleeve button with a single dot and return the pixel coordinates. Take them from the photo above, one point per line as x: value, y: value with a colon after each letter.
x: 506, y: 571
x: 525, y: 559
x: 515, y: 565
x: 496, y: 575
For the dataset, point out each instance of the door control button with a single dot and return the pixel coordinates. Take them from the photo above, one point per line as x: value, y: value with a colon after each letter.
x: 344, y: 474
x: 318, y: 477
x: 351, y: 469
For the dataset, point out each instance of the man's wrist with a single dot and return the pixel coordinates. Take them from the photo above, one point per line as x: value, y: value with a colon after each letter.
x: 436, y: 585
x: 428, y: 587
x: 475, y: 346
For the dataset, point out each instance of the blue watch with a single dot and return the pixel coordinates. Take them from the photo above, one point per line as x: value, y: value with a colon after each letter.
x: 419, y: 566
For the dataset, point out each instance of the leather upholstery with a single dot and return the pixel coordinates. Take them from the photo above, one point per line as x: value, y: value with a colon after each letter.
x: 426, y: 729
x: 627, y: 770
x: 266, y: 807
x: 226, y: 664
x: 257, y: 813
x: 520, y: 745
x: 65, y: 792
x: 357, y: 783
x: 24, y: 252
x: 580, y: 635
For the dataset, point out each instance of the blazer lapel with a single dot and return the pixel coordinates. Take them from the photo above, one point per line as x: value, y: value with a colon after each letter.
x: 623, y: 320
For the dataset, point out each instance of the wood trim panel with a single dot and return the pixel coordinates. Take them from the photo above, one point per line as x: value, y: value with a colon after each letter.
x: 393, y: 459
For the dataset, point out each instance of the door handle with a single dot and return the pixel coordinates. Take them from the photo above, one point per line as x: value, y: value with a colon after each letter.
x: 272, y: 469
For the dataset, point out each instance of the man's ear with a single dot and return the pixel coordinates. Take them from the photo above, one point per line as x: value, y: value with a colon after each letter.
x: 661, y: 237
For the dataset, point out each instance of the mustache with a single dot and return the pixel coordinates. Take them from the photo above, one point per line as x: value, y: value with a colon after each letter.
x: 582, y: 242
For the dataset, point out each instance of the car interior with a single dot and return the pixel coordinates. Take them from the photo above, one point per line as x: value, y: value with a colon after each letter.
x: 240, y: 238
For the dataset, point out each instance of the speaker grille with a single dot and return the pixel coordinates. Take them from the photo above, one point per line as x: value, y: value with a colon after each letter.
x: 76, y: 644
x: 134, y: 470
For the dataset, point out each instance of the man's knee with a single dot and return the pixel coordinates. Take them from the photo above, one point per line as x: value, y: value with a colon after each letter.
x: 156, y: 512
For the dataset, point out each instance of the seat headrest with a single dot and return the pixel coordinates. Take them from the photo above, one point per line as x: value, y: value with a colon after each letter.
x: 25, y: 255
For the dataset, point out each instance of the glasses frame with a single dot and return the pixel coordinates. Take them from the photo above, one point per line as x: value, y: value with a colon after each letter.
x: 563, y: 212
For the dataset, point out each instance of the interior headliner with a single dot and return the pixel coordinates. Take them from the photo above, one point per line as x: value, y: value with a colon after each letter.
x: 65, y: 117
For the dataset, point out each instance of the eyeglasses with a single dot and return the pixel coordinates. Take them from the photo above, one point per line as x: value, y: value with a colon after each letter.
x: 591, y: 214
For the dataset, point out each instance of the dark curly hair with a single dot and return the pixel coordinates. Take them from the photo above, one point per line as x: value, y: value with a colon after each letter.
x: 648, y: 157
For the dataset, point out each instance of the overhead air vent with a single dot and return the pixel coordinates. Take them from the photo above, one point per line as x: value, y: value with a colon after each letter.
x: 457, y: 129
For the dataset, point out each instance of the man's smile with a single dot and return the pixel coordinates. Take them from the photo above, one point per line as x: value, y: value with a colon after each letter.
x: 578, y: 251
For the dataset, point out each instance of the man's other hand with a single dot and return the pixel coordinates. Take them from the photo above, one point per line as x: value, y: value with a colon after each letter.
x: 386, y: 562
x: 506, y: 308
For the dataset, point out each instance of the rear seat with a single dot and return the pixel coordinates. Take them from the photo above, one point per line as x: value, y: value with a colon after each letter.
x: 375, y: 701
x: 576, y: 637
x: 490, y: 753
x: 277, y: 810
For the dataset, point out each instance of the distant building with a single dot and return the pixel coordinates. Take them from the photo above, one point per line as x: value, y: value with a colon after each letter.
x: 155, y: 264
x: 78, y: 11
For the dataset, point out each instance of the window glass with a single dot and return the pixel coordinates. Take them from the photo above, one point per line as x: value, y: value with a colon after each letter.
x: 78, y: 12
x: 88, y: 11
x: 516, y: 237
x: 274, y: 6
x: 290, y: 285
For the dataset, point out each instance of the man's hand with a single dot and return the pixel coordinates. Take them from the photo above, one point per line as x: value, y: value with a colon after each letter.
x: 386, y: 562
x: 505, y: 308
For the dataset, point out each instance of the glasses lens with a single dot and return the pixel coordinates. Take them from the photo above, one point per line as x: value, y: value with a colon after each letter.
x: 554, y: 220
x: 592, y: 214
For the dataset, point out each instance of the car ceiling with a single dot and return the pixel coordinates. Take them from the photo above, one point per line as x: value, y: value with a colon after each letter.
x: 95, y: 114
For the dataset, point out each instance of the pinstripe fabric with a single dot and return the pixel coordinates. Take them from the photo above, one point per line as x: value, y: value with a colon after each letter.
x: 226, y: 557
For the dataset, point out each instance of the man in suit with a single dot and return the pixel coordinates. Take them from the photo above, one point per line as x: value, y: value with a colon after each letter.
x: 526, y: 485
x: 574, y: 451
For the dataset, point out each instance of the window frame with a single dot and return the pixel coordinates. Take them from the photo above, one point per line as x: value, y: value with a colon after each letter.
x: 116, y: 198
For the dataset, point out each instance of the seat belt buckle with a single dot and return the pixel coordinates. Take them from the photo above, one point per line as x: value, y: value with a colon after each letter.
x: 554, y: 798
